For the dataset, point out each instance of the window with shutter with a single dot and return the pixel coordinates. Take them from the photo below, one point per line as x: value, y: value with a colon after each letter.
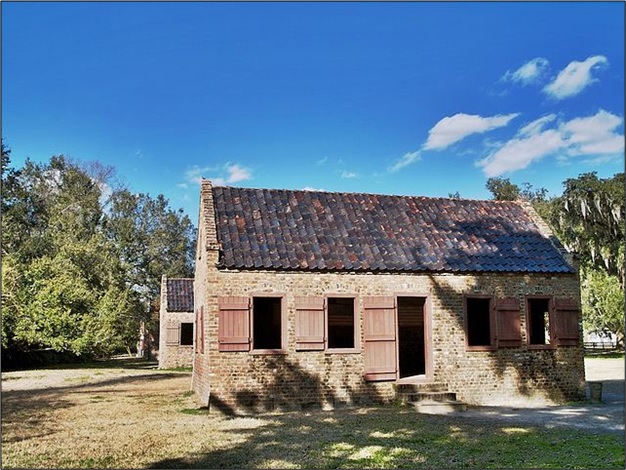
x: 186, y: 334
x: 379, y: 320
x: 267, y: 324
x: 479, y: 323
x: 310, y: 325
x: 540, y: 323
x: 508, y: 321
x: 172, y: 333
x: 234, y: 324
x: 566, y: 315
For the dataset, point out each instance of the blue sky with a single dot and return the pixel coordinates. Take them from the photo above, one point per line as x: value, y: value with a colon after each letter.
x: 395, y: 98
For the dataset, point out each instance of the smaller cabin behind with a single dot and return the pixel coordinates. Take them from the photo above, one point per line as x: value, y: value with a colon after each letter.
x: 176, y: 323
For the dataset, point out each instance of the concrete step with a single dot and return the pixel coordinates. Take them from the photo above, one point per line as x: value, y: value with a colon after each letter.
x: 439, y: 407
x: 427, y: 396
x: 421, y: 387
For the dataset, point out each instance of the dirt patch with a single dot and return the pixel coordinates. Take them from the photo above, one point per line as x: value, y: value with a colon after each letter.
x: 138, y: 417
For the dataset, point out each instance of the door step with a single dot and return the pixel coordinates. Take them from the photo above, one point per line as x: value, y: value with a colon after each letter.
x: 429, y: 398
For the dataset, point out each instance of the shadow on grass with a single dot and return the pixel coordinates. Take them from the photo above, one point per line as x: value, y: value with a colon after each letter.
x: 390, y: 436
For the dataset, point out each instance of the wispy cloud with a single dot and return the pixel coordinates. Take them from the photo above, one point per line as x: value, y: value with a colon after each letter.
x: 196, y: 173
x: 574, y: 78
x: 455, y: 128
x: 531, y: 72
x: 321, y: 161
x: 237, y: 173
x: 406, y: 159
x: 593, y: 136
x: 227, y: 174
x: 348, y: 174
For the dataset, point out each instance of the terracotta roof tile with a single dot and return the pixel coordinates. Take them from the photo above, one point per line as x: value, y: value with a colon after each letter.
x: 179, y: 295
x: 308, y: 230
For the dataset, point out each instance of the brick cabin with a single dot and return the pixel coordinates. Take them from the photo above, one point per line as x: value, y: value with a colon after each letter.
x: 176, y: 323
x: 311, y: 298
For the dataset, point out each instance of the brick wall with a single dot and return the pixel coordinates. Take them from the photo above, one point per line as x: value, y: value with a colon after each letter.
x: 505, y: 376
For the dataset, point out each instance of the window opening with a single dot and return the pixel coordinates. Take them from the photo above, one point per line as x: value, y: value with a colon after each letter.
x: 478, y: 321
x: 539, y: 321
x: 267, y: 325
x: 340, y: 322
x: 186, y: 334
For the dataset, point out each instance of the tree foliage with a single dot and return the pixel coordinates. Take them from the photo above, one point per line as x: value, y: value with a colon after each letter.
x: 603, y: 303
x: 71, y: 280
x: 589, y: 219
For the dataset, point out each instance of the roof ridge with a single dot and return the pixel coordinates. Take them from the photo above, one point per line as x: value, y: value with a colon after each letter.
x: 317, y: 191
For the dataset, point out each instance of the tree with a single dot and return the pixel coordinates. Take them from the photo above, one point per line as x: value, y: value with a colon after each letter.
x: 589, y: 219
x: 151, y: 240
x: 502, y: 189
x: 602, y: 303
x: 76, y: 277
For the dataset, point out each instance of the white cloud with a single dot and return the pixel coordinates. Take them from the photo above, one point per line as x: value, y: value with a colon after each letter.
x: 593, y: 136
x: 234, y: 174
x: 310, y: 188
x: 537, y: 125
x: 348, y: 174
x: 528, y: 73
x: 406, y: 159
x: 518, y: 153
x: 237, y: 173
x: 321, y: 161
x: 452, y: 129
x: 574, y: 78
x: 195, y: 173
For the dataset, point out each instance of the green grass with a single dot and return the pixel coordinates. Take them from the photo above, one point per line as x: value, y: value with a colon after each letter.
x: 605, y: 354
x: 391, y: 437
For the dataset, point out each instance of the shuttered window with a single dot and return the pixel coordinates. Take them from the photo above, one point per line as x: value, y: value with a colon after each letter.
x: 508, y: 320
x: 234, y: 324
x: 172, y: 333
x: 310, y: 324
x: 379, y: 320
x: 479, y: 323
x: 540, y: 323
x: 566, y: 316
x: 186, y: 334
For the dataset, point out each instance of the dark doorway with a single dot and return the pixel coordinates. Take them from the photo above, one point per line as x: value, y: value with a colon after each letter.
x: 411, y: 344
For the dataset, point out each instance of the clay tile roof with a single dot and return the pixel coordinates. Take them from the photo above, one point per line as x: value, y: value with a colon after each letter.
x: 179, y: 295
x: 309, y: 230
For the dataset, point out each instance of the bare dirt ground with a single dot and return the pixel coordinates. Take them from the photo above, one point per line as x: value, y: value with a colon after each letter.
x: 607, y: 416
x: 136, y: 407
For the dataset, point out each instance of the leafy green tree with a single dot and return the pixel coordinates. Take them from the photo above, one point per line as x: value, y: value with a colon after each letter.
x: 151, y: 240
x: 63, y: 284
x: 603, y: 303
x: 502, y: 189
x: 589, y: 219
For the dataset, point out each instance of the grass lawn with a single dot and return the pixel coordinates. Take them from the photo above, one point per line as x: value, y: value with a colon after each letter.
x: 133, y: 417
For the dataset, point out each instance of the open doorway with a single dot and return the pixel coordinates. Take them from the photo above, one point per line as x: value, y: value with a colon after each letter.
x: 411, y: 343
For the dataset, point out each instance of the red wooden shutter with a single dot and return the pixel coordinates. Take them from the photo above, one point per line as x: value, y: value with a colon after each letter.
x: 379, y: 321
x: 566, y: 314
x: 310, y: 327
x: 201, y: 332
x: 172, y: 334
x: 234, y: 323
x: 508, y: 321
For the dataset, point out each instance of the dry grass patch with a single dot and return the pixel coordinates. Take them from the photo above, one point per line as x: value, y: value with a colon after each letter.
x: 142, y: 418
